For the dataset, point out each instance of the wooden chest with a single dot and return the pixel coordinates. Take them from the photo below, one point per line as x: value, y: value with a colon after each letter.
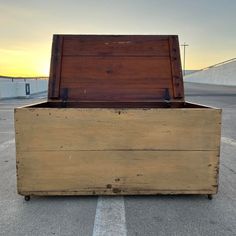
x: 116, y: 123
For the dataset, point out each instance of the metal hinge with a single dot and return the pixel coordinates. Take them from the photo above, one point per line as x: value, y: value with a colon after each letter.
x: 64, y: 97
x: 167, y: 97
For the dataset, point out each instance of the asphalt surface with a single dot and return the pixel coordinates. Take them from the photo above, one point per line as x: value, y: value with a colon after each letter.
x: 143, y: 215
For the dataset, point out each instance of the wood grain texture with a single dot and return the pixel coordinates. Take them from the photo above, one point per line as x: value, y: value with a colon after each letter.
x: 176, y: 69
x: 116, y: 45
x: 55, y: 67
x: 114, y: 137
x: 116, y: 68
x: 100, y: 192
x: 105, y: 70
x: 92, y: 78
x: 117, y: 151
x: 120, y: 172
x: 111, y: 129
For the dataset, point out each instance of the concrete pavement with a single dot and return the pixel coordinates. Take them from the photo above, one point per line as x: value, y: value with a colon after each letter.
x: 142, y: 215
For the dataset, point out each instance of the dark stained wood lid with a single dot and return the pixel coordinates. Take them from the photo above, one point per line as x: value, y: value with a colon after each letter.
x: 115, y: 68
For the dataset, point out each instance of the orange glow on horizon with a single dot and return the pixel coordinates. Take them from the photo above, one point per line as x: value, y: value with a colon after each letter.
x: 25, y: 62
x: 27, y: 28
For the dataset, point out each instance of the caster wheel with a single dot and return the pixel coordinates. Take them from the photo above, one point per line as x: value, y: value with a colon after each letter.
x: 209, y: 196
x: 27, y: 198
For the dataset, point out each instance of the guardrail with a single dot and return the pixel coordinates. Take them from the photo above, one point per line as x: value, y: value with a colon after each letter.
x: 215, y: 65
x: 221, y: 63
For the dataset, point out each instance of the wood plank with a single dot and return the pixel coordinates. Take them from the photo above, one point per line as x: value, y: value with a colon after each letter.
x: 120, y: 45
x: 55, y: 67
x: 123, y: 65
x: 117, y: 172
x: 117, y: 93
x: 112, y: 129
x: 123, y: 193
x: 115, y: 78
x: 176, y: 69
x: 141, y: 68
x: 92, y: 82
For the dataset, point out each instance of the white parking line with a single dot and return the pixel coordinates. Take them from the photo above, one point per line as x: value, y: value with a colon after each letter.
x: 7, y: 132
x: 6, y: 144
x: 110, y: 217
x: 229, y: 141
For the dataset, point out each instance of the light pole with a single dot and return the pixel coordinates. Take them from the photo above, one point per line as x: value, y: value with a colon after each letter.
x: 184, y: 45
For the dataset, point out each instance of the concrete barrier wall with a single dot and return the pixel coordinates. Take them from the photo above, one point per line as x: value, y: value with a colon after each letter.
x: 13, y: 88
x: 223, y: 74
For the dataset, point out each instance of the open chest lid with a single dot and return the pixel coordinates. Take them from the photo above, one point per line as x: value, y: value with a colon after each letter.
x: 115, y: 68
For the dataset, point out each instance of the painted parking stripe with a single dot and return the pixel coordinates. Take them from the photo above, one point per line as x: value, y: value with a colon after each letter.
x: 229, y: 141
x: 6, y: 144
x: 110, y: 217
x: 7, y: 132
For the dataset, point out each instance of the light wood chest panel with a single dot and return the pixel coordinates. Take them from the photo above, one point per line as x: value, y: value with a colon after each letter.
x: 117, y: 151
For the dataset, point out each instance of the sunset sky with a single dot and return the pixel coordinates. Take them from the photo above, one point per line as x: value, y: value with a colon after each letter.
x: 26, y: 28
